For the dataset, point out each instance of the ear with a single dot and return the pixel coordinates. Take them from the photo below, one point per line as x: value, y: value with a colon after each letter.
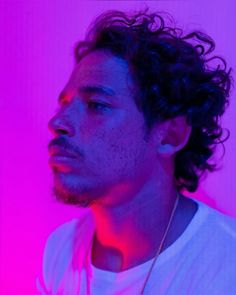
x: 173, y: 135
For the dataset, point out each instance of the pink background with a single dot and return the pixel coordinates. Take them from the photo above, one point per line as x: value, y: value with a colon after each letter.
x: 36, y: 53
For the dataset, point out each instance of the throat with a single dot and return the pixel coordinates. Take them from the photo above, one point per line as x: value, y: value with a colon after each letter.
x: 114, y: 260
x: 106, y: 258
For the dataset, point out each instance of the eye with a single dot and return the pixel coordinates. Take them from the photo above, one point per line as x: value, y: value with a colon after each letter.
x: 97, y: 106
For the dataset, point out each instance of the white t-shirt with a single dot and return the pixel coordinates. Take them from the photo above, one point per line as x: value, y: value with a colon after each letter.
x: 202, y: 261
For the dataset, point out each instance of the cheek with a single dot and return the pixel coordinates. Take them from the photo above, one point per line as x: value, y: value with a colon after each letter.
x: 120, y: 151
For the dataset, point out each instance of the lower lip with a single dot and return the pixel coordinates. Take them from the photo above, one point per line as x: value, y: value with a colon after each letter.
x: 61, y: 160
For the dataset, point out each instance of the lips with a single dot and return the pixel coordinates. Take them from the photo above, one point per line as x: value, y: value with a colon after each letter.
x: 57, y: 151
x: 62, y: 160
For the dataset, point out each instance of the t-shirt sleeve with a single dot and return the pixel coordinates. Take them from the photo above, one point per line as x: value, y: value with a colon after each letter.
x: 41, y: 289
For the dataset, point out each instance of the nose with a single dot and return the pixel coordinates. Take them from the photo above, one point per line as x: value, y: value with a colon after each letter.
x: 60, y: 126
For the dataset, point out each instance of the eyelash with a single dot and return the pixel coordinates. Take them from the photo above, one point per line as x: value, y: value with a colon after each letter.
x: 94, y: 103
x: 90, y: 105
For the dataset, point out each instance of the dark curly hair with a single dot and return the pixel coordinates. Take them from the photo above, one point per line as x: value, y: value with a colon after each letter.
x: 174, y: 78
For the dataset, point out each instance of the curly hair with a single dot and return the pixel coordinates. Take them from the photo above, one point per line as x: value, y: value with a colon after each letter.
x: 174, y: 78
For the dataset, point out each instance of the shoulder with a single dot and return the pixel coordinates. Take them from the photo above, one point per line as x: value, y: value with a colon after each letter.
x: 59, y: 249
x: 217, y: 253
x: 223, y: 223
x: 217, y: 231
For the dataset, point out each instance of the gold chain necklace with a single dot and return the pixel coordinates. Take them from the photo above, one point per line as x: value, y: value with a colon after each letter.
x: 161, y: 244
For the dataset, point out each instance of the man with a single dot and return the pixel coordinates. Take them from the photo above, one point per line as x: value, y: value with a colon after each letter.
x: 137, y: 125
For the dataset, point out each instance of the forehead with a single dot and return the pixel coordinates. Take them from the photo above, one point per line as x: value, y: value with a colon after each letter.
x: 102, y: 68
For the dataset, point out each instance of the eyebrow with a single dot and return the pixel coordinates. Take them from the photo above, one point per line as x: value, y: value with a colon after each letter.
x: 91, y: 89
x: 97, y: 89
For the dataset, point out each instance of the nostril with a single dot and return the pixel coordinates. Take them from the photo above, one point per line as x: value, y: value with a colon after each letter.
x: 56, y: 126
x: 59, y: 125
x: 61, y: 131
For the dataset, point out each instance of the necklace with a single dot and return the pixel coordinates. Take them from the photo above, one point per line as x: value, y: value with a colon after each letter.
x: 161, y: 244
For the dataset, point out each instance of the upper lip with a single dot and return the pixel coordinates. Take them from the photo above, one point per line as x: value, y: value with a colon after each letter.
x: 58, y: 151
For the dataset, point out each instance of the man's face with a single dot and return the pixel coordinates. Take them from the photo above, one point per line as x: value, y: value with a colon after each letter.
x: 104, y: 132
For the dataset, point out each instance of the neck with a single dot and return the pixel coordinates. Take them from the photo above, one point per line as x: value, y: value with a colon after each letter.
x: 141, y: 221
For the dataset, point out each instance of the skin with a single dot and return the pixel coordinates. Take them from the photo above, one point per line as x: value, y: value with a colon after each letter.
x: 125, y: 177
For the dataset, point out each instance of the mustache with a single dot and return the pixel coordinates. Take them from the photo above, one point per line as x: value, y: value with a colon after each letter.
x: 62, y: 143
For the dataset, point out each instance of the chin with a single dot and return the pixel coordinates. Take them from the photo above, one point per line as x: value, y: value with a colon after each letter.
x: 69, y: 191
x: 68, y: 197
